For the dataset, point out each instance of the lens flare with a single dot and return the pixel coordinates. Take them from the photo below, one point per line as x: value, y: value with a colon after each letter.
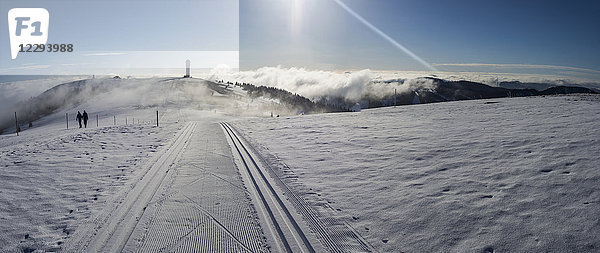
x: 385, y: 36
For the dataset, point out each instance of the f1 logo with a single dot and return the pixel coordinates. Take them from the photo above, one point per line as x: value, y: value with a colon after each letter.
x: 27, y: 26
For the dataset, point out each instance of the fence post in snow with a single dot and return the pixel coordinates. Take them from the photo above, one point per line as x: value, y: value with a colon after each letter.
x: 16, y: 124
x: 115, y: 120
x: 125, y: 120
x: 156, y: 117
x: 97, y: 120
x: 67, y: 117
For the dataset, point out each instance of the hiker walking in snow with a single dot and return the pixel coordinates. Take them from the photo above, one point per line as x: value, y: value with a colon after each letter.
x: 85, y: 118
x: 79, y: 117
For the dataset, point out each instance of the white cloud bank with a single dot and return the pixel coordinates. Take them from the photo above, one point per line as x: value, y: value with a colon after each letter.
x: 356, y: 84
x: 314, y: 83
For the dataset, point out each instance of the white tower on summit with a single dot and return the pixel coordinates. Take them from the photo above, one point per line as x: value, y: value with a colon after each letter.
x: 187, y: 68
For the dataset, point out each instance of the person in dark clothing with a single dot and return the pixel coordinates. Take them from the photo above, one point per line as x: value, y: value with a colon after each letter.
x: 85, y: 118
x: 79, y: 118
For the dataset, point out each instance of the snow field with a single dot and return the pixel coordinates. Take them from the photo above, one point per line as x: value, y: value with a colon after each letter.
x: 517, y: 175
x: 55, y: 180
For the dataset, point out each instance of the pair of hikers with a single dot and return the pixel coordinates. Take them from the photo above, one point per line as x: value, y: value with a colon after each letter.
x: 83, y: 117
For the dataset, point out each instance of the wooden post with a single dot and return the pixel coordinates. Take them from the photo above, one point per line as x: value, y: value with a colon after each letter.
x: 67, y: 116
x: 16, y: 124
x: 97, y: 120
x: 115, y: 120
x: 156, y: 117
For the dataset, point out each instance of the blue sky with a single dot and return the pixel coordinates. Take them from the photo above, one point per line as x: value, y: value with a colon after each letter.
x: 528, y: 33
x: 545, y: 37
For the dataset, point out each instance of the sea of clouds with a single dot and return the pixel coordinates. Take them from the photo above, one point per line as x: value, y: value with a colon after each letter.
x: 356, y: 84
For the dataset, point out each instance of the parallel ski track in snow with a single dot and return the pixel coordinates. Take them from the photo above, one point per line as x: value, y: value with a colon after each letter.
x: 284, y: 228
x: 112, y: 233
x: 336, y: 235
x: 198, y: 211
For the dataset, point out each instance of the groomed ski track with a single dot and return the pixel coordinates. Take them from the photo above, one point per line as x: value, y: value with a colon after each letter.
x: 282, y: 226
x: 208, y: 190
x: 110, y: 232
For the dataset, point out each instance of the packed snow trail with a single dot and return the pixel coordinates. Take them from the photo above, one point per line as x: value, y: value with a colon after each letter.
x: 208, y: 190
x: 287, y: 234
x: 190, y: 199
x: 203, y: 205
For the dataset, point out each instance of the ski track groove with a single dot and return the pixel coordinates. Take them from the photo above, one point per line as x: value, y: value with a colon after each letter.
x: 334, y: 240
x: 296, y: 232
x: 180, y: 148
x: 112, y: 233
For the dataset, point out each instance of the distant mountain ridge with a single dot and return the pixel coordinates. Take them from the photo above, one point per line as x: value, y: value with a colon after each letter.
x: 520, y: 85
x: 453, y: 91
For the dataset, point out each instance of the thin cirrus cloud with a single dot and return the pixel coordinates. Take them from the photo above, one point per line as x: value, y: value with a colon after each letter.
x: 104, y: 54
x: 27, y: 67
x: 32, y: 67
x: 527, y: 66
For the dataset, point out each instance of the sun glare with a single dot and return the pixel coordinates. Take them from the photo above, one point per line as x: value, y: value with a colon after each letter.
x: 297, y: 9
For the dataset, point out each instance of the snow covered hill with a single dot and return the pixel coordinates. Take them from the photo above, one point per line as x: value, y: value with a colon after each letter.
x: 103, y: 95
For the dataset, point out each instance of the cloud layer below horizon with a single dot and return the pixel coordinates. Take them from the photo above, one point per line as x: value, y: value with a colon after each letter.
x: 356, y: 84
